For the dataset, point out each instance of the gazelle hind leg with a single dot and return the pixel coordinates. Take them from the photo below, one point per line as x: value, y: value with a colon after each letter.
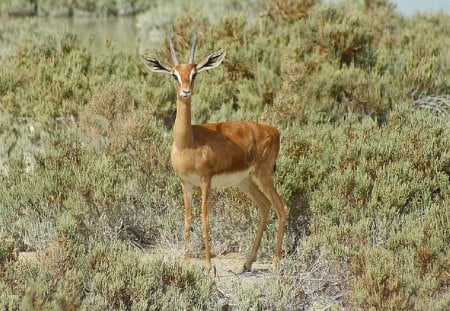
x: 251, y: 190
x: 267, y: 187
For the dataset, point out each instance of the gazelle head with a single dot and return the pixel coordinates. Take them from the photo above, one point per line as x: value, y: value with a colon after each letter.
x: 184, y: 74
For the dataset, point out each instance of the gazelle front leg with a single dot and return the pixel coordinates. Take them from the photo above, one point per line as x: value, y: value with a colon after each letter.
x: 187, y: 196
x: 206, y: 186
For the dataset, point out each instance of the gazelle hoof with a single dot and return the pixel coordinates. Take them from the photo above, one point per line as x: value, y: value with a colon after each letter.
x: 245, y: 268
x: 275, y: 264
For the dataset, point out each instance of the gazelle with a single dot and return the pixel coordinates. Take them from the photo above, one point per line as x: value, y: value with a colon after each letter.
x: 220, y: 154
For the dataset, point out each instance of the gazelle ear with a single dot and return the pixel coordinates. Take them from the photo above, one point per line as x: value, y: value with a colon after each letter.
x: 211, y: 61
x: 155, y: 65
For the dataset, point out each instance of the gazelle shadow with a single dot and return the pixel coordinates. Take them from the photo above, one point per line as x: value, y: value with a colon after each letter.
x: 299, y: 218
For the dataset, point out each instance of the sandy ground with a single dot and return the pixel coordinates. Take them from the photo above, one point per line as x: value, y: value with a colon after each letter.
x: 225, y: 268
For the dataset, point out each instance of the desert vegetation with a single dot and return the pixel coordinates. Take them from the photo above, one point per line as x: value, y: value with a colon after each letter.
x: 364, y: 167
x: 61, y: 8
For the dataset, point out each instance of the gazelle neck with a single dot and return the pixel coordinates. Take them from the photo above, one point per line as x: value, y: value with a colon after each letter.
x: 183, y: 136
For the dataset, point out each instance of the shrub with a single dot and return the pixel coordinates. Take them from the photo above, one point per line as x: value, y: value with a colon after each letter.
x: 379, y: 180
x: 74, y: 276
x: 68, y: 8
x: 338, y: 34
x: 288, y: 10
x: 7, y: 250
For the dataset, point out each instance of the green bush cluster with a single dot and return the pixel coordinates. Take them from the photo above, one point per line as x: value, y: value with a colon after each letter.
x: 97, y: 276
x: 72, y: 8
x: 84, y: 163
x: 379, y: 190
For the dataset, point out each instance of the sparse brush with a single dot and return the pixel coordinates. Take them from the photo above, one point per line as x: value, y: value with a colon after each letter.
x: 7, y: 250
x: 438, y: 105
x: 288, y: 10
x: 69, y: 8
x: 73, y: 276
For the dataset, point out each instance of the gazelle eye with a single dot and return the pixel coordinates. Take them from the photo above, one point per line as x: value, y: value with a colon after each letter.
x: 175, y: 76
x: 194, y: 75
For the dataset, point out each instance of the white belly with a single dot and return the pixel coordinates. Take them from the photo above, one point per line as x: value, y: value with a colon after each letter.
x: 219, y: 181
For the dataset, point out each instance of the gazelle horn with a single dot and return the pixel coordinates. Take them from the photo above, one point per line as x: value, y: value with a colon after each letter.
x: 172, y: 50
x: 191, y: 54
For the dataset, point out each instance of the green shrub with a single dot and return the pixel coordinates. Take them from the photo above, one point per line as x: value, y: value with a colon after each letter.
x: 79, y: 169
x: 68, y: 8
x: 18, y: 7
x: 336, y: 33
x: 96, y: 276
x: 59, y: 8
x: 379, y: 189
x: 7, y: 250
